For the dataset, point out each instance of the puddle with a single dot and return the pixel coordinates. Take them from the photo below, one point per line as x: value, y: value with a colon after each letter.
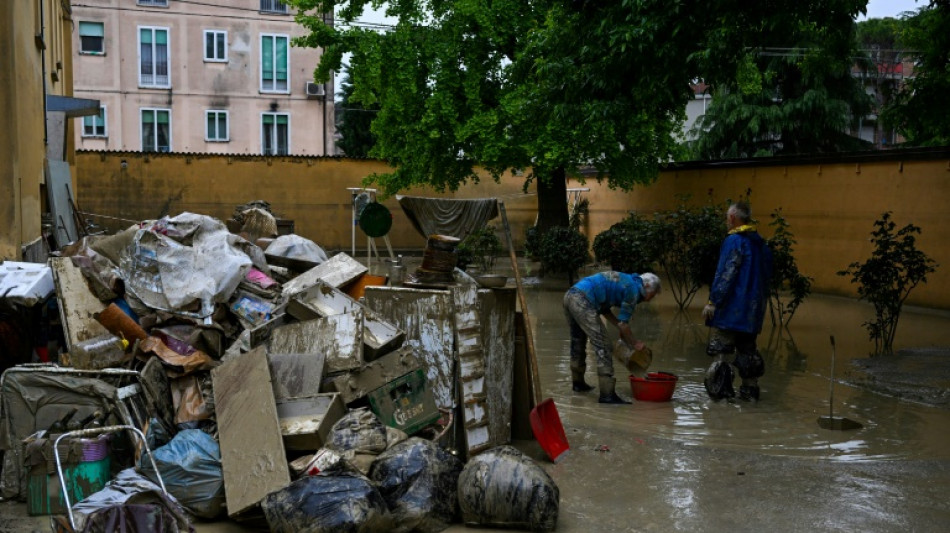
x: 795, y: 388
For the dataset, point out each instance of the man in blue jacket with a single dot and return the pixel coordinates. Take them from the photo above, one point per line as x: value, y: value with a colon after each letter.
x: 584, y: 303
x: 736, y: 307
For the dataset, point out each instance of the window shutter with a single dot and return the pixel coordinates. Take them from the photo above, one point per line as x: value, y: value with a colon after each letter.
x: 161, y: 37
x: 145, y: 35
x: 267, y: 57
x: 282, y: 58
x: 91, y: 29
x: 162, y: 117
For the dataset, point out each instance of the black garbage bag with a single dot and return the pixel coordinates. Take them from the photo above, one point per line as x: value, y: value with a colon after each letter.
x: 419, y: 481
x: 327, y: 504
x: 190, y: 465
x: 503, y: 487
x: 718, y: 381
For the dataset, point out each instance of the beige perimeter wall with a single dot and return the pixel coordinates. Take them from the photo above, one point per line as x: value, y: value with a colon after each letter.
x: 831, y: 207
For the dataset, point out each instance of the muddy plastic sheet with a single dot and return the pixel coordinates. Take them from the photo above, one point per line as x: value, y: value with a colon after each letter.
x: 128, y: 504
x: 190, y: 466
x: 502, y: 487
x: 188, y: 263
x: 419, y: 481
x: 296, y: 248
x: 188, y: 401
x: 31, y: 399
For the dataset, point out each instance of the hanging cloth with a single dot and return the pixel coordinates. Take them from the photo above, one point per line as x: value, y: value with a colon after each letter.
x: 441, y: 216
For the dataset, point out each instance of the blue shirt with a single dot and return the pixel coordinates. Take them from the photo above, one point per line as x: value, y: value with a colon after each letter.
x: 612, y: 289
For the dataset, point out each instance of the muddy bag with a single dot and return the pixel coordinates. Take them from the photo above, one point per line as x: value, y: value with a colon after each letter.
x: 502, y: 487
x: 327, y: 504
x: 360, y: 431
x: 419, y: 481
x: 191, y: 469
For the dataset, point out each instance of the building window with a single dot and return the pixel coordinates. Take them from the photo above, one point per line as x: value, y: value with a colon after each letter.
x: 216, y: 125
x: 95, y: 125
x: 273, y: 6
x: 156, y: 130
x: 274, y: 71
x: 153, y: 57
x: 216, y: 45
x: 91, y: 36
x: 275, y: 133
x: 153, y: 3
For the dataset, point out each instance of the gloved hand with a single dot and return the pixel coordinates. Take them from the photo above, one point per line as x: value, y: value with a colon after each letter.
x: 708, y: 311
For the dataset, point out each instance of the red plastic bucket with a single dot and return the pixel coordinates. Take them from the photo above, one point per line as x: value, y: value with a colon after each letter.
x: 655, y: 387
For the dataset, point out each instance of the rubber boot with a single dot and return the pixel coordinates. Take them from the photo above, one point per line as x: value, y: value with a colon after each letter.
x: 608, y: 394
x: 578, y: 383
x: 749, y: 390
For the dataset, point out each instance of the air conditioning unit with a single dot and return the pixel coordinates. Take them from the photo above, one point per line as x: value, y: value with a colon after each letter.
x: 315, y: 90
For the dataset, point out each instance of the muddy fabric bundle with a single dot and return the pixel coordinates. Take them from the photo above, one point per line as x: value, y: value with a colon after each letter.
x: 718, y: 381
x: 502, y: 487
x: 327, y: 504
x: 191, y: 468
x: 419, y: 481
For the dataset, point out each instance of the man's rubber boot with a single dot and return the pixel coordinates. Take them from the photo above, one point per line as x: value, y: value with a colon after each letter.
x: 578, y: 383
x: 749, y: 393
x: 608, y: 394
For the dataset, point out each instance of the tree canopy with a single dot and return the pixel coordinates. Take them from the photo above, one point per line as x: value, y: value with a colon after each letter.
x: 353, y: 122
x: 920, y: 109
x: 791, y: 90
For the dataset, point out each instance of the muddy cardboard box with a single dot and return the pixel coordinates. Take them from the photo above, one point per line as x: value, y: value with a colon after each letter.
x: 405, y: 403
x: 306, y: 422
x: 358, y: 383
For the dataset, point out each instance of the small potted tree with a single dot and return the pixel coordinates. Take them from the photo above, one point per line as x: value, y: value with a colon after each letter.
x: 479, y: 250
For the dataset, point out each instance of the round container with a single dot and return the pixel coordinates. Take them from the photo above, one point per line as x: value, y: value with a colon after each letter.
x: 656, y: 387
x: 492, y: 281
x: 375, y: 220
x: 445, y: 243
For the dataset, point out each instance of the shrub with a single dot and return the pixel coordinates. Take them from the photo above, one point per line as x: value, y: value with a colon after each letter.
x: 480, y: 248
x: 562, y: 249
x: 689, y: 239
x: 887, y: 278
x: 786, y: 279
x: 628, y: 246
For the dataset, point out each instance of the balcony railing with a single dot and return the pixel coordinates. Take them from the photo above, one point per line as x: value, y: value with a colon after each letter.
x: 273, y: 6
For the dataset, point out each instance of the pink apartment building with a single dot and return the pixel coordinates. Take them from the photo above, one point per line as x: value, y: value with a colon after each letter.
x: 198, y: 76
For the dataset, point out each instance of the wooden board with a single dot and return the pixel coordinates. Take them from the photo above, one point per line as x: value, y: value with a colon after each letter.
x: 252, y: 449
x: 496, y: 309
x: 77, y: 304
x: 339, y: 338
x: 426, y: 317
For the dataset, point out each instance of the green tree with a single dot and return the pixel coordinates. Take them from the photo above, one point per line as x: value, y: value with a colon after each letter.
x: 354, y: 121
x: 791, y: 92
x: 514, y: 85
x: 920, y: 110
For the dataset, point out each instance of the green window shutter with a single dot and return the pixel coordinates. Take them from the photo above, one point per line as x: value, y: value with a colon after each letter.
x: 145, y: 35
x: 148, y: 117
x: 267, y: 119
x: 282, y: 119
x: 91, y: 29
x: 267, y: 57
x: 212, y: 133
x: 281, y: 58
x: 161, y: 37
x: 162, y: 117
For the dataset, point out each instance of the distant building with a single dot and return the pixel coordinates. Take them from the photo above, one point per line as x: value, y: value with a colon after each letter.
x: 882, y: 78
x: 212, y: 76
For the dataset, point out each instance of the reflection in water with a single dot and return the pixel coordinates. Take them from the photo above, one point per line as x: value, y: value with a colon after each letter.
x: 795, y: 388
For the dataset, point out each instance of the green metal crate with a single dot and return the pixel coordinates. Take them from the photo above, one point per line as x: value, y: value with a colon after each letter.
x: 405, y: 403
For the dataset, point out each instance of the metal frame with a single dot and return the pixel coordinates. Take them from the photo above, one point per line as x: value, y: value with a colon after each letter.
x: 92, y: 432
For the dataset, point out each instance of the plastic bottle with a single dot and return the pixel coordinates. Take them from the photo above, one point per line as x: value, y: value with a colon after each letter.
x: 98, y: 352
x: 59, y: 426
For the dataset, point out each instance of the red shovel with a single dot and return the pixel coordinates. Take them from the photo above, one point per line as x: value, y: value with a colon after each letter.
x: 545, y: 422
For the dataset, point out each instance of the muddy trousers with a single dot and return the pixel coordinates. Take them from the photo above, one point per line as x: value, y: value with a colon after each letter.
x: 739, y: 350
x: 585, y: 324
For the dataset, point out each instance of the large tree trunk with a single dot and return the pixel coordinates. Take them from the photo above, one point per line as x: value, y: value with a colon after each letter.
x: 552, y: 201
